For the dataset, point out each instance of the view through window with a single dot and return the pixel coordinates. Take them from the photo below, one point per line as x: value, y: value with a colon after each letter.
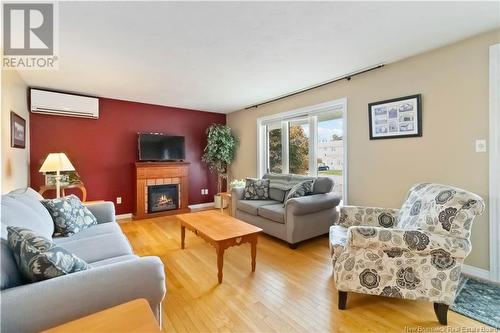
x: 307, y: 145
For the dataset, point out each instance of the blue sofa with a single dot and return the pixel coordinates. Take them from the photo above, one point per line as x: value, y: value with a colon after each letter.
x: 116, y: 276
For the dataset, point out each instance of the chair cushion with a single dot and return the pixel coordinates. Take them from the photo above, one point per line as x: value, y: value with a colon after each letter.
x: 69, y: 214
x: 338, y: 240
x: 24, y: 210
x: 256, y: 189
x: 99, y: 247
x: 251, y: 206
x: 275, y: 213
x: 95, y: 230
x: 38, y: 258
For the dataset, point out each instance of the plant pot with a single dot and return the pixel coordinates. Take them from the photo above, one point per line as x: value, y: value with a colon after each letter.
x: 218, y: 202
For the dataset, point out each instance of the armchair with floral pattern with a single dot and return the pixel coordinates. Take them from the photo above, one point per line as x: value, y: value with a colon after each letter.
x: 413, y: 253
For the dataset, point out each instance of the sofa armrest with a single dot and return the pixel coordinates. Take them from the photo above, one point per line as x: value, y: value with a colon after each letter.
x: 398, y: 240
x: 236, y: 195
x: 82, y: 293
x: 368, y: 216
x: 104, y: 212
x: 311, y: 203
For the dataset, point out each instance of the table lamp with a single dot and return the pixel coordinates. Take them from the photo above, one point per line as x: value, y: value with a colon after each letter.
x: 57, y: 162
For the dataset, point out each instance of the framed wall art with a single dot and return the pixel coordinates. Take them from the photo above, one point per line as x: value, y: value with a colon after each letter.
x: 396, y: 118
x: 17, y: 131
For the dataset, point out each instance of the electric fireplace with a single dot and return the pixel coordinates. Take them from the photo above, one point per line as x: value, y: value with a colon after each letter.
x: 162, y: 198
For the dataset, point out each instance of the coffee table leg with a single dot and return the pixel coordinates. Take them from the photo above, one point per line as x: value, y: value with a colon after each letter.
x: 254, y: 252
x: 183, y: 235
x: 220, y: 262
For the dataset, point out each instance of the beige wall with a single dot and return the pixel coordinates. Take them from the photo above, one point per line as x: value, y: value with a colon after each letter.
x: 453, y: 81
x: 15, y: 161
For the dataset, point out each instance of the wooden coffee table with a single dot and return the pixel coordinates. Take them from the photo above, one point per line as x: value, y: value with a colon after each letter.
x: 221, y: 231
x: 135, y: 316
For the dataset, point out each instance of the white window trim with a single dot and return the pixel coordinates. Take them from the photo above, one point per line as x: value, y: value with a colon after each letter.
x: 306, y: 111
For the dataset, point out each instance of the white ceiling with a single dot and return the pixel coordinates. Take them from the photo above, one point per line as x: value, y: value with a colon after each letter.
x: 223, y: 56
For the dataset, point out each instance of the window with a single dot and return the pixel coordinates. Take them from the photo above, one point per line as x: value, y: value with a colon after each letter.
x: 274, y: 148
x: 298, y: 147
x: 307, y: 141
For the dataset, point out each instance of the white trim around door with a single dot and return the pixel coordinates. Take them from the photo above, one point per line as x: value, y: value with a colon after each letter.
x: 494, y: 163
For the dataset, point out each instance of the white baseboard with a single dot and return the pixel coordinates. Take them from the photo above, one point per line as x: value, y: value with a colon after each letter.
x: 123, y: 216
x: 476, y: 272
x: 202, y: 205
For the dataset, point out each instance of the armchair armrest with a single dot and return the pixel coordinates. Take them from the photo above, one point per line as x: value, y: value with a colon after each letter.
x: 312, y: 203
x: 397, y: 240
x: 104, y: 212
x: 368, y: 216
x: 82, y: 293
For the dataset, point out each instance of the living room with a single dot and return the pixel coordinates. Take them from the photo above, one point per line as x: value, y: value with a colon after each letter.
x: 250, y: 166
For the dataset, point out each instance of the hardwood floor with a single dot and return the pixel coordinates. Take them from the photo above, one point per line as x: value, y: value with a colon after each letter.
x: 290, y: 291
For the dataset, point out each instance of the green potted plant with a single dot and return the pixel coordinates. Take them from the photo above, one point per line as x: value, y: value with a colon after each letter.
x: 219, y: 154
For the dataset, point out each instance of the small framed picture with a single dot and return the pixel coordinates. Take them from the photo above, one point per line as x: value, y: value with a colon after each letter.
x: 396, y: 118
x: 17, y: 131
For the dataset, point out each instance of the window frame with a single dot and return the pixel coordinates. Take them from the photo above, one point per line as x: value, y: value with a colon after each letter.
x: 311, y: 113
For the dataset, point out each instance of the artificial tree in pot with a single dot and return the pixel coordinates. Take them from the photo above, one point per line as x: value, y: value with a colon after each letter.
x: 219, y: 153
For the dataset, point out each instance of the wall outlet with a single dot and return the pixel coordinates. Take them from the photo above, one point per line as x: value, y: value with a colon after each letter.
x: 480, y: 146
x: 119, y: 200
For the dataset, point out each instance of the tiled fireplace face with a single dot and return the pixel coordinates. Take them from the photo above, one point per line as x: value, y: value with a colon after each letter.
x: 162, y: 198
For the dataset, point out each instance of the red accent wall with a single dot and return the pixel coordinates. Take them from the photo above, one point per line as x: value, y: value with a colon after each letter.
x: 103, y: 151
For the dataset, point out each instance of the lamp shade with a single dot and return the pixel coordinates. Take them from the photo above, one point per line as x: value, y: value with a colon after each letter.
x: 57, y: 162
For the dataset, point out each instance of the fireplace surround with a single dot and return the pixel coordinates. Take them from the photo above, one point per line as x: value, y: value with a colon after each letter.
x: 164, y: 176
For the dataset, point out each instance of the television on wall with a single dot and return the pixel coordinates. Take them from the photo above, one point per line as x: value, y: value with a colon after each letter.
x: 160, y: 147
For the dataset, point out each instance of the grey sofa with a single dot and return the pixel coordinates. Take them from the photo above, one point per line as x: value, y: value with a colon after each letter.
x: 296, y: 219
x: 117, y: 275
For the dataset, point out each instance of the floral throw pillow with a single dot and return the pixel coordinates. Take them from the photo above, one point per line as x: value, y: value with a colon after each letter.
x: 256, y: 189
x: 300, y: 190
x: 38, y: 258
x: 69, y: 214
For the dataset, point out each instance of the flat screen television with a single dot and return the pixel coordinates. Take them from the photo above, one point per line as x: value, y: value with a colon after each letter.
x: 160, y: 147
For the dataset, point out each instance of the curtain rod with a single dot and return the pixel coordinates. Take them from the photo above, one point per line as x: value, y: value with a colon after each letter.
x: 345, y: 77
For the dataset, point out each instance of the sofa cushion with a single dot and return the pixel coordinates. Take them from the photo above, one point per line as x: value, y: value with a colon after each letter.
x: 10, y: 274
x: 99, y: 247
x: 113, y: 260
x: 69, y: 214
x: 38, y: 258
x: 300, y: 190
x: 251, y: 206
x: 24, y: 210
x: 95, y: 230
x: 256, y: 189
x: 277, y: 194
x: 29, y: 192
x: 322, y: 185
x: 279, y: 181
x: 275, y: 213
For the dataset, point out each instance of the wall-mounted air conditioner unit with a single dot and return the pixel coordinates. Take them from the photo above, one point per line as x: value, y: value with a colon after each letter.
x: 61, y: 104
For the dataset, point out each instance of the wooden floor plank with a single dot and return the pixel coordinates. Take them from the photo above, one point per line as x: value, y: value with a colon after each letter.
x: 290, y: 291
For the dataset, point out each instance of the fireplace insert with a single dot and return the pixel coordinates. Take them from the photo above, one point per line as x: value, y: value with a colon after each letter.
x: 162, y: 198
